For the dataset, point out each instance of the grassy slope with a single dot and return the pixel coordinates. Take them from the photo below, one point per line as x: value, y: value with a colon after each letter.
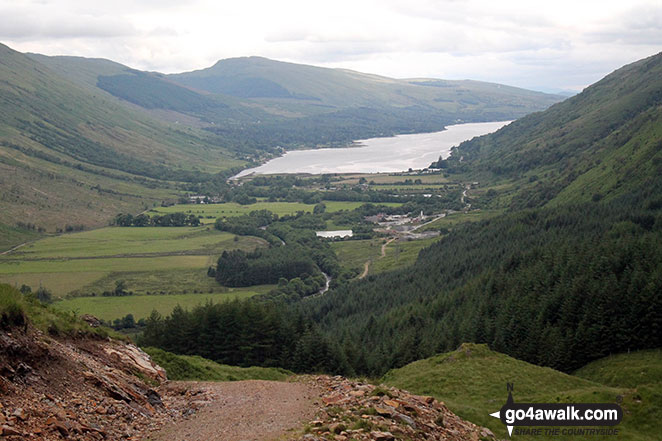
x: 354, y: 253
x: 12, y: 236
x: 640, y: 372
x: 188, y: 368
x: 625, y: 370
x: 601, y: 143
x: 150, y: 259
x: 322, y: 90
x: 17, y: 309
x: 400, y: 254
x: 472, y: 382
x: 71, y: 155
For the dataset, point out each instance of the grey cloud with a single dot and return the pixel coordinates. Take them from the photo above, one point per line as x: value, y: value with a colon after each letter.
x: 639, y: 26
x: 19, y: 25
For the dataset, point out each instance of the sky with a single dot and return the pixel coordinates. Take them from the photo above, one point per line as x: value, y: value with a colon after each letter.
x: 550, y: 46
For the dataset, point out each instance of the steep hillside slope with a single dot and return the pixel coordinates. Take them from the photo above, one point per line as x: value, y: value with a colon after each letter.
x: 603, y: 142
x: 73, y: 156
x: 472, y: 382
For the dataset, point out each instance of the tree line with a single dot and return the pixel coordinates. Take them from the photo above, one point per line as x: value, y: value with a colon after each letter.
x: 166, y: 220
x: 245, y: 333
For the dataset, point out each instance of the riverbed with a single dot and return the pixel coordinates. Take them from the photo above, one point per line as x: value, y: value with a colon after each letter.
x: 375, y: 155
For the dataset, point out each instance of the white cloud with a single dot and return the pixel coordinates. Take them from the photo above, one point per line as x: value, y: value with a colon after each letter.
x: 552, y: 45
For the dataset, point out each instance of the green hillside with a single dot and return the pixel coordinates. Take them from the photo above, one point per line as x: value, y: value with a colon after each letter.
x: 319, y: 90
x: 309, y: 105
x: 601, y: 143
x: 472, y: 382
x: 255, y: 104
x: 73, y: 156
x: 625, y: 370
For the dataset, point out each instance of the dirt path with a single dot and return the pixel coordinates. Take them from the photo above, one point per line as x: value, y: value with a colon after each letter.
x: 385, y: 245
x: 366, y: 267
x: 252, y: 410
x: 15, y: 248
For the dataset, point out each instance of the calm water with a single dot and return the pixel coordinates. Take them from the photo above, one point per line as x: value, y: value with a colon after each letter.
x: 395, y: 154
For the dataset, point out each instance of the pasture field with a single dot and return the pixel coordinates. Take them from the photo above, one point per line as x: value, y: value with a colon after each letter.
x: 386, y: 178
x: 12, y: 236
x: 141, y: 306
x: 331, y: 225
x: 131, y: 241
x: 103, y: 264
x: 210, y: 212
x: 418, y: 188
x: 399, y: 254
x: 333, y: 206
x: 354, y: 253
x: 452, y: 220
x: 177, y: 281
x: 89, y: 261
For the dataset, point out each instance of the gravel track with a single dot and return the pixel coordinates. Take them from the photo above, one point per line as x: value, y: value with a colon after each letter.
x: 252, y: 410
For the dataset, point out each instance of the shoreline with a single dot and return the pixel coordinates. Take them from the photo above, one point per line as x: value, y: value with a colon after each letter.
x: 418, y: 155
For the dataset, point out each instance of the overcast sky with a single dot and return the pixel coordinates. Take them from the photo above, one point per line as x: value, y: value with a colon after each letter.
x: 551, y: 45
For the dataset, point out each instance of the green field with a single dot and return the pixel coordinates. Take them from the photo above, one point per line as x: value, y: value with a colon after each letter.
x: 127, y: 241
x: 472, y: 382
x: 452, y: 220
x: 110, y: 308
x: 150, y: 259
x: 400, y: 253
x: 354, y: 253
x: 386, y: 178
x: 11, y: 237
x: 210, y: 212
x: 420, y: 188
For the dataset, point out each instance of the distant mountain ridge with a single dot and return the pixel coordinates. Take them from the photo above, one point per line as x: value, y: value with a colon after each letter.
x: 266, y: 103
x: 340, y: 88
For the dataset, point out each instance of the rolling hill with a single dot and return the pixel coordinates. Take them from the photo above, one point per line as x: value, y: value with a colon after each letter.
x: 318, y: 90
x: 73, y: 156
x: 341, y: 105
x: 259, y: 103
x: 472, y: 382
